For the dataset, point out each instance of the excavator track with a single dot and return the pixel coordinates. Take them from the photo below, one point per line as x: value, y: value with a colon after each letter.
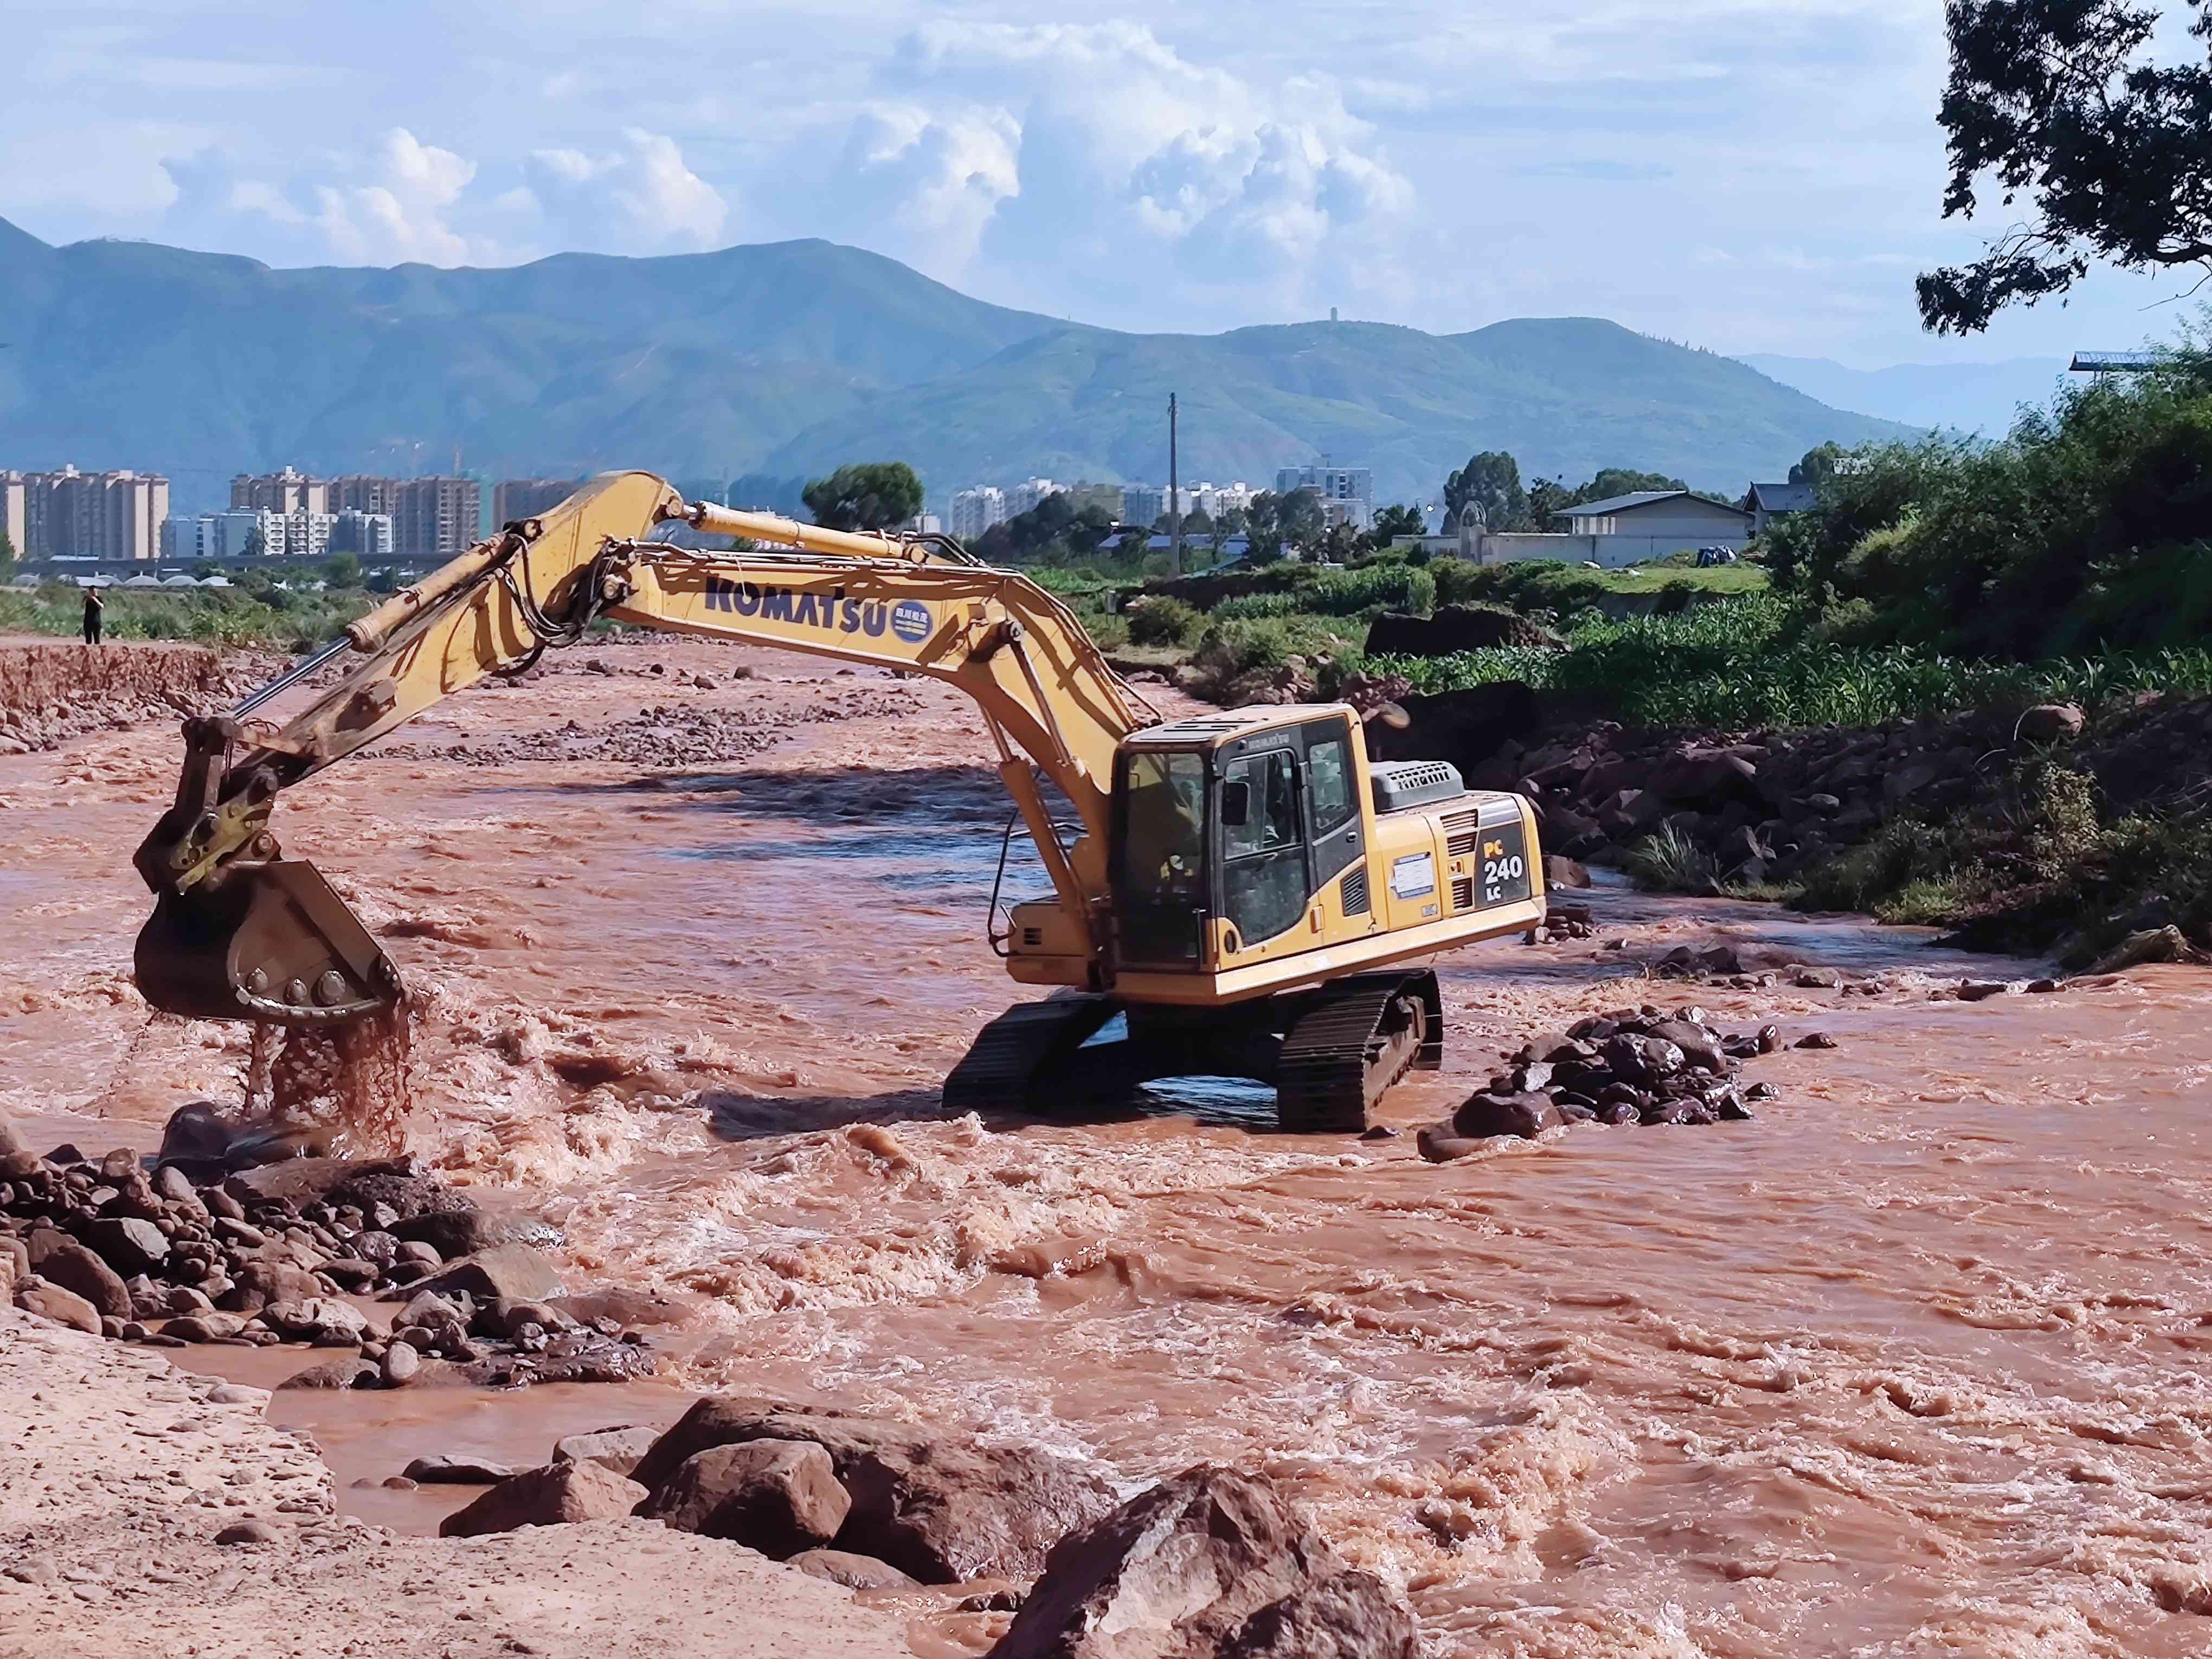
x: 1358, y: 1037
x: 1021, y: 1050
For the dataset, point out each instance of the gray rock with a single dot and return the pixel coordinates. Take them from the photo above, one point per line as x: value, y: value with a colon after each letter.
x: 2050, y: 722
x: 351, y: 1372
x: 250, y: 1532
x: 617, y: 1449
x: 513, y: 1272
x: 59, y: 1304
x: 1524, y: 1115
x: 60, y: 1259
x: 324, y: 1321
x: 457, y: 1470
x: 127, y: 1245
x: 854, y: 1572
x: 778, y: 1497
x: 939, y: 1508
x: 550, y: 1496
x: 400, y: 1364
x: 210, y: 1326
x: 1208, y: 1564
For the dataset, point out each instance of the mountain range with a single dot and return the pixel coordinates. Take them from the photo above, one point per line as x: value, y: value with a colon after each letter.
x: 790, y: 358
x: 1981, y: 398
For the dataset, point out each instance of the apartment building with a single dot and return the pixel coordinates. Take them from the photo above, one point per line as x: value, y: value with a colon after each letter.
x: 70, y: 514
x: 975, y: 511
x: 430, y: 516
x: 526, y: 498
x: 287, y: 491
x: 1351, y: 487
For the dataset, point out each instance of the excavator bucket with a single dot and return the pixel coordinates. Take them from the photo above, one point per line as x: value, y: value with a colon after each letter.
x: 271, y: 942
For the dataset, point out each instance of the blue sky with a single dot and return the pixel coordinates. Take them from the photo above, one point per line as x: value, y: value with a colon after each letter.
x: 1745, y: 178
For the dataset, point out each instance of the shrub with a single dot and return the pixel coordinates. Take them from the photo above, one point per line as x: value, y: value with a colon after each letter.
x: 1395, y: 586
x: 1250, y: 605
x: 1160, y: 621
x: 1669, y: 862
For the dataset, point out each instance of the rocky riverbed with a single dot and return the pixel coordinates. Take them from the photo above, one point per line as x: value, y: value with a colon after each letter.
x: 1903, y: 1362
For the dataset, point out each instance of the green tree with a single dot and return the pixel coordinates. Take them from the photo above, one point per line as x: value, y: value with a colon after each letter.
x: 1548, y: 498
x: 2066, y: 103
x: 342, y: 570
x: 257, y: 544
x: 1393, y: 522
x: 1613, y: 481
x: 1263, y: 527
x: 874, y: 495
x: 1818, y: 466
x: 1491, y: 482
x: 7, y: 557
x: 1304, y: 523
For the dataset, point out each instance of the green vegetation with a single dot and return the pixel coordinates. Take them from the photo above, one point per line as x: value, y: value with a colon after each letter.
x: 2088, y: 529
x: 873, y: 496
x: 1163, y: 620
x: 1760, y: 660
x: 266, y: 615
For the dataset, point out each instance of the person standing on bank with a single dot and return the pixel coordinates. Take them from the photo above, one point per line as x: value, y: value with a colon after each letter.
x: 94, y: 613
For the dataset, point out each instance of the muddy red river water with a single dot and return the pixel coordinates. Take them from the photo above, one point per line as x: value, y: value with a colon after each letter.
x: 1914, y: 1363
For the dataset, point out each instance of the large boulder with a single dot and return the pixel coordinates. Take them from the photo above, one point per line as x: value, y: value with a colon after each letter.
x: 2052, y: 722
x: 63, y: 1306
x: 1527, y: 1115
x: 552, y: 1495
x: 617, y: 1449
x: 129, y: 1245
x: 1453, y: 627
x: 60, y: 1259
x: 778, y: 1497
x: 1208, y: 1564
x: 514, y: 1272
x: 261, y: 1282
x: 938, y: 1508
x: 1464, y: 727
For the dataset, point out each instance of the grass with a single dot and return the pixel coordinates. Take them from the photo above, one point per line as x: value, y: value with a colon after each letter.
x: 1738, y: 578
x: 1757, y: 660
x: 278, y: 617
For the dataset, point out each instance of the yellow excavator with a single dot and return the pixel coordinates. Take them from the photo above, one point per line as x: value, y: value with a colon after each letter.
x: 1244, y: 894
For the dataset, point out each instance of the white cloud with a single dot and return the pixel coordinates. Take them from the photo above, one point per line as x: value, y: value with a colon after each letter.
x: 403, y: 215
x: 640, y: 197
x: 1003, y: 148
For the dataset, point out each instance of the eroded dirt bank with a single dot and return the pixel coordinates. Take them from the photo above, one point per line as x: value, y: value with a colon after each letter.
x: 118, y: 1474
x: 1908, y: 1363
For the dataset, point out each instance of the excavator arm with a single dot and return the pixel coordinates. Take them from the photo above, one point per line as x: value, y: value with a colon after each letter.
x: 239, y: 931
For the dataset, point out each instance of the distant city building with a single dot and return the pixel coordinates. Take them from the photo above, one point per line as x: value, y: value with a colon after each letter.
x: 1354, y: 486
x: 368, y: 535
x: 924, y: 524
x: 1142, y: 504
x: 975, y: 511
x: 249, y: 533
x: 287, y: 491
x: 527, y: 498
x: 1106, y: 498
x: 430, y: 517
x: 1214, y: 500
x: 70, y: 514
x: 1024, y: 496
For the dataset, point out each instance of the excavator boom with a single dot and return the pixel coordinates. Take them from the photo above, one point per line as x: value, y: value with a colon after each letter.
x: 239, y: 932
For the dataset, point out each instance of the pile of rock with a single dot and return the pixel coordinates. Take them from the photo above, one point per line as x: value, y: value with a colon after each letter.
x: 1762, y: 807
x: 672, y: 734
x: 1631, y: 1066
x: 52, y: 693
x: 1212, y: 1564
x: 172, y: 1253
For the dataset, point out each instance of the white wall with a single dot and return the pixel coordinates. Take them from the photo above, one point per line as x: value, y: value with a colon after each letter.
x: 1613, y: 552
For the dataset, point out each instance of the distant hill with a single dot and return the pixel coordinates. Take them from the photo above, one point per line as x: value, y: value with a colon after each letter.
x: 791, y: 357
x: 1976, y: 398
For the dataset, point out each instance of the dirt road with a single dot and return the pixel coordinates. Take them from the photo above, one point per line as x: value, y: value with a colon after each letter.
x: 1910, y: 1363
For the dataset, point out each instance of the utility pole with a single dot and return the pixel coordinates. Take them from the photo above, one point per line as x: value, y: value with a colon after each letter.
x: 1175, y: 498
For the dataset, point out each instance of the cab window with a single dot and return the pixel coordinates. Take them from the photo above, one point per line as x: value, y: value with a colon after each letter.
x: 1329, y: 777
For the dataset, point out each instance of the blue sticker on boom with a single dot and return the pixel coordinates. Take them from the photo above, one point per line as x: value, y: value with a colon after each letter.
x: 910, y: 621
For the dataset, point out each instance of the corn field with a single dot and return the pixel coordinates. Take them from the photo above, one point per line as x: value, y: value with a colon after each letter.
x: 1744, y: 662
